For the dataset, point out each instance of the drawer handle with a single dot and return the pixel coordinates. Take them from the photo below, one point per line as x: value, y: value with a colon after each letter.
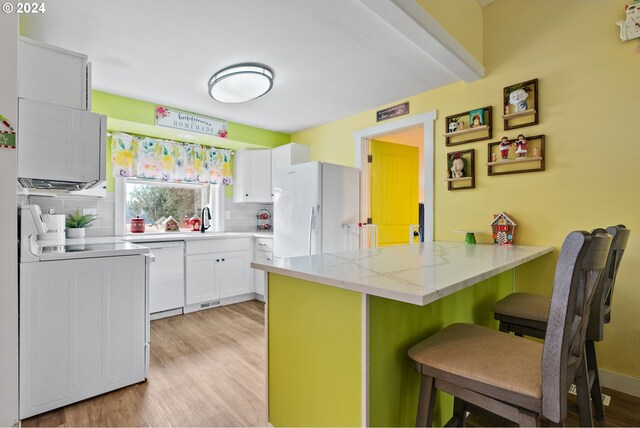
x: 222, y: 259
x: 268, y: 260
x: 263, y: 245
x: 217, y: 260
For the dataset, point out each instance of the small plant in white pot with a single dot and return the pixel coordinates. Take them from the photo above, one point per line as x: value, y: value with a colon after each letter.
x: 76, y: 224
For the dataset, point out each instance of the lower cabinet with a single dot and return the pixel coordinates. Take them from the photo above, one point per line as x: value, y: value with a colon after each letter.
x: 201, y: 285
x: 263, y: 254
x: 83, y: 329
x: 217, y: 270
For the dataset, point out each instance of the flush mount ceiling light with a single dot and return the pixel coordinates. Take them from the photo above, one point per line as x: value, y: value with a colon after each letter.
x: 240, y: 83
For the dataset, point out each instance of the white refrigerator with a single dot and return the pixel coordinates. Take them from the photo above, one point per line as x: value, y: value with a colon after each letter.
x: 313, y: 202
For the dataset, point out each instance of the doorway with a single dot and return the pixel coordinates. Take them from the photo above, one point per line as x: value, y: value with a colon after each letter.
x: 394, y: 203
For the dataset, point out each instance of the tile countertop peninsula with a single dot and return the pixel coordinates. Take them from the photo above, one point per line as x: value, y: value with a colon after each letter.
x: 417, y: 274
x: 339, y: 326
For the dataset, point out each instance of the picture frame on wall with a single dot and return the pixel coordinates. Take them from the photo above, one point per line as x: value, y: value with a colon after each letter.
x: 476, y: 118
x: 461, y: 170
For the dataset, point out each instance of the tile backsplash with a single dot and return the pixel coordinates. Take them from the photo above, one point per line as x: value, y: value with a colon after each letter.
x: 105, y: 210
x: 241, y: 217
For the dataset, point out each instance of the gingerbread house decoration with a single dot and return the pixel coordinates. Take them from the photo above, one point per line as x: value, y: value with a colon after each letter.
x: 504, y: 229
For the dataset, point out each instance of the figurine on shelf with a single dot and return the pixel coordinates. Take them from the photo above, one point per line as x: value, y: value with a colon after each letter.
x: 506, y: 109
x: 504, y: 146
x: 457, y: 166
x: 448, y: 174
x: 460, y: 125
x: 453, y: 126
x: 536, y: 152
x: 519, y: 100
x: 494, y: 157
x: 521, y: 147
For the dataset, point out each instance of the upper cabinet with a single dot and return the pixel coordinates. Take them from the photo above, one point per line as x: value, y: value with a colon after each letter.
x: 287, y: 155
x: 252, y: 176
x: 254, y: 170
x: 53, y: 75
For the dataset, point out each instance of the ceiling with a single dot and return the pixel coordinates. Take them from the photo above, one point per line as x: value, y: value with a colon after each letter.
x: 330, y: 58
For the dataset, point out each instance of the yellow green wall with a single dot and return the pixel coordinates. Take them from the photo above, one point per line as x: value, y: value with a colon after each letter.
x: 589, y: 87
x: 462, y: 19
x: 138, y: 117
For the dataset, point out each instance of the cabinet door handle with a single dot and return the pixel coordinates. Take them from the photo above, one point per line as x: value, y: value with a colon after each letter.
x: 222, y: 259
x: 217, y: 260
x: 262, y: 245
x: 246, y: 194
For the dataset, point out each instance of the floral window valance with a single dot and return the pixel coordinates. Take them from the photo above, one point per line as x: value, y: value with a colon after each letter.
x: 164, y: 160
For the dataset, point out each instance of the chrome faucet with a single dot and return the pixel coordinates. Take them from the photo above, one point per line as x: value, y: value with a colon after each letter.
x: 206, y: 219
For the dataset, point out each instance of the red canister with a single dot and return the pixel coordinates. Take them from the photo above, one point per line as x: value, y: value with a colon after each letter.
x: 137, y: 225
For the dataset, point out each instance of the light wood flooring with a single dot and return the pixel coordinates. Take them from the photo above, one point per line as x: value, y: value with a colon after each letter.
x: 207, y: 369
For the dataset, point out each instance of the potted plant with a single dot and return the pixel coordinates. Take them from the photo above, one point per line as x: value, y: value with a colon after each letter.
x: 76, y: 224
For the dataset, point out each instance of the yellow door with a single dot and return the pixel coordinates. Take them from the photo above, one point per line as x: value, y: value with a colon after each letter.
x: 394, y: 191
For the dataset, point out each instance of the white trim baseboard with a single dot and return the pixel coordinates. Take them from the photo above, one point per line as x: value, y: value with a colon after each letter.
x: 619, y: 382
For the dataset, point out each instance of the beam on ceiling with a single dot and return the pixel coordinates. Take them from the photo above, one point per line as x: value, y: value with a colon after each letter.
x: 412, y: 21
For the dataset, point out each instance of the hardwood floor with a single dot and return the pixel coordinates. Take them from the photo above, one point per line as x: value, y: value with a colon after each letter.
x: 207, y: 369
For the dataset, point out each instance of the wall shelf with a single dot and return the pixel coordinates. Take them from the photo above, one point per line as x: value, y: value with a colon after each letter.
x: 515, y: 165
x: 478, y: 133
x: 519, y: 114
x: 468, y: 180
x: 466, y: 131
x: 459, y: 179
x: 511, y: 120
x: 516, y: 160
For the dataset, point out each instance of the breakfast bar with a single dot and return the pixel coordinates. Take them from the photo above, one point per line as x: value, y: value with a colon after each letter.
x: 339, y: 326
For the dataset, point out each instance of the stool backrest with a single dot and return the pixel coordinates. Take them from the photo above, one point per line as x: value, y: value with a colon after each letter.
x: 601, y: 306
x: 582, y: 259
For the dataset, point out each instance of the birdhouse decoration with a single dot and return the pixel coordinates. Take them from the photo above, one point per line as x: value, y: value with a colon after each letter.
x: 504, y: 229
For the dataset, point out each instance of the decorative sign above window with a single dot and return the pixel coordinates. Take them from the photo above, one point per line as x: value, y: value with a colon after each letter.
x: 394, y: 111
x: 176, y: 119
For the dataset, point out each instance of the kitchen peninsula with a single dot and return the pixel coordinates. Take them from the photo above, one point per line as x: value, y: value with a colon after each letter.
x: 339, y: 325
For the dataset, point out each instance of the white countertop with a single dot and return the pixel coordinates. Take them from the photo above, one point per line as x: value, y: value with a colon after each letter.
x: 109, y: 246
x: 190, y: 236
x: 418, y: 274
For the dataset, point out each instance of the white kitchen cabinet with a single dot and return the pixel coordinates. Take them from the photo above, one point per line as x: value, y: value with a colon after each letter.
x: 263, y: 254
x: 218, y: 272
x: 232, y: 275
x: 53, y: 75
x: 82, y: 329
x: 252, y: 176
x: 200, y: 274
x: 287, y: 155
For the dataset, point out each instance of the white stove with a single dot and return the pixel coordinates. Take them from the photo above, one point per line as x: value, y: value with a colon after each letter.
x: 84, y: 317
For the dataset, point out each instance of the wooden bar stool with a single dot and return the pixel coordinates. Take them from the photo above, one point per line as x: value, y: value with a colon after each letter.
x: 526, y: 313
x: 516, y: 378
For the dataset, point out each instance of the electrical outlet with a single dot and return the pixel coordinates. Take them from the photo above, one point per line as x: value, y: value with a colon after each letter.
x: 89, y: 211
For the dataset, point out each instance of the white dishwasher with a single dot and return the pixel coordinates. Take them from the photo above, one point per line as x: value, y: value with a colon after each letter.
x: 166, y: 277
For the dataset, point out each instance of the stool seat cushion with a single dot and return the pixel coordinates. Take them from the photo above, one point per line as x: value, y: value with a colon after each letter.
x: 485, y: 356
x: 524, y: 305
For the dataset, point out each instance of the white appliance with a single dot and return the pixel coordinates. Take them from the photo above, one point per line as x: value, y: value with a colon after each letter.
x: 166, y: 276
x: 60, y: 147
x: 84, y: 322
x: 313, y: 204
x: 43, y: 227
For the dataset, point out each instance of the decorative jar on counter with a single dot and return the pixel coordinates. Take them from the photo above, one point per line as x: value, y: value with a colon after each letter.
x: 137, y: 225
